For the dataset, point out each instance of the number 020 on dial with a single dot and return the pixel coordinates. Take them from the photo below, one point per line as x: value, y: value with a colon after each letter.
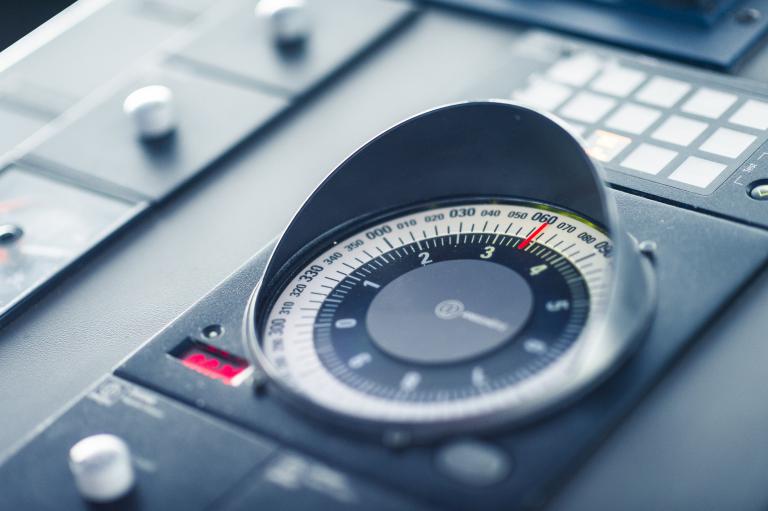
x: 438, y: 314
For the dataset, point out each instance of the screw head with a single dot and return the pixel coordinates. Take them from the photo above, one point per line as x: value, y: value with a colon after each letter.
x: 10, y: 233
x: 396, y: 439
x: 647, y: 248
x: 747, y: 15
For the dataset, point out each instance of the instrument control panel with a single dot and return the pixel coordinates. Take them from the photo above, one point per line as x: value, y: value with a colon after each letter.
x: 679, y: 134
x: 455, y: 317
x: 100, y: 126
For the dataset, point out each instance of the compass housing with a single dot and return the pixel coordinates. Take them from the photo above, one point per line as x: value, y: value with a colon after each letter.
x: 472, y: 149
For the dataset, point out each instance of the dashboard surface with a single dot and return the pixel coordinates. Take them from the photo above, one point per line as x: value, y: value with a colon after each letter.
x: 695, y: 441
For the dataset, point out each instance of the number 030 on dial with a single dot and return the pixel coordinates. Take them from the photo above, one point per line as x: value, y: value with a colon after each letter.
x: 439, y: 314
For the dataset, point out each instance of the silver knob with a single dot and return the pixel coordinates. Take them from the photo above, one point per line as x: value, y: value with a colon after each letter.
x: 289, y: 21
x: 10, y: 233
x: 102, y: 467
x: 152, y: 111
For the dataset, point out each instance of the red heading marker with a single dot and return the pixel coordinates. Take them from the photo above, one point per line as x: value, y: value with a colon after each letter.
x: 527, y: 241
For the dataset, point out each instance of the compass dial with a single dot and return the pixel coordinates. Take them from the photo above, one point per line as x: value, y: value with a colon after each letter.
x: 464, y: 270
x: 443, y: 313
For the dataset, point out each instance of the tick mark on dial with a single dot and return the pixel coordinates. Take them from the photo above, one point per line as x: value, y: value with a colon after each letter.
x: 527, y: 241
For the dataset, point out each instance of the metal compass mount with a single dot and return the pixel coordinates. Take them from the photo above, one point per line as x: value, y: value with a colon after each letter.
x: 464, y: 269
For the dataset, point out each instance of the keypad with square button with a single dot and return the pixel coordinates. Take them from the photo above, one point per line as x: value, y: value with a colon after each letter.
x: 639, y: 121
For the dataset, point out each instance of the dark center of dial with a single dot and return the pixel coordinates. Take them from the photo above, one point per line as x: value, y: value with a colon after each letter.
x: 509, y: 341
x: 449, y: 311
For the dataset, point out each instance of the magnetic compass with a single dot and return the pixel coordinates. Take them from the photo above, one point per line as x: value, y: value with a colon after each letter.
x: 465, y: 268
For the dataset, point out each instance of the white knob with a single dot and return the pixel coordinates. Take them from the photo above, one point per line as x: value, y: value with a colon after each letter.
x: 151, y: 109
x: 102, y: 467
x: 288, y: 20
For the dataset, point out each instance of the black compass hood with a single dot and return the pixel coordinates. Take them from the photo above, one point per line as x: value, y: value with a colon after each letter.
x: 484, y: 148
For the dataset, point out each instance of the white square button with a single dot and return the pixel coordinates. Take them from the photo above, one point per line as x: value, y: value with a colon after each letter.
x: 587, y: 107
x: 543, y: 93
x: 633, y: 118
x: 679, y: 130
x: 753, y: 114
x: 662, y: 91
x: 618, y: 81
x: 730, y: 143
x: 697, y: 172
x: 576, y: 70
x: 648, y: 158
x: 605, y: 146
x: 709, y: 103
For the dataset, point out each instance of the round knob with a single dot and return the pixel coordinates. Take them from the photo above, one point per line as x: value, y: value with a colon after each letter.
x: 10, y: 233
x: 289, y: 20
x: 151, y: 109
x: 102, y: 467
